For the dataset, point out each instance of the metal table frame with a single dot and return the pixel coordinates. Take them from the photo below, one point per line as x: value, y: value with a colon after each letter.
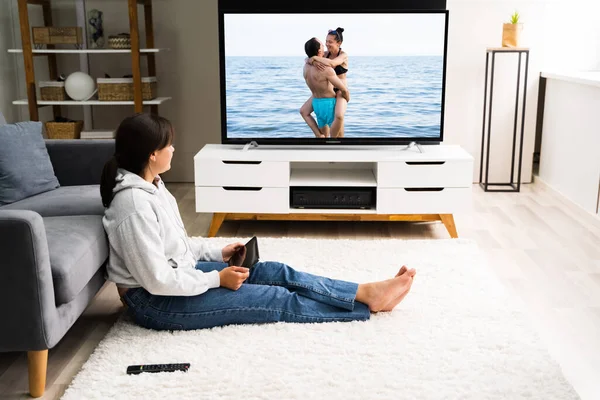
x: 512, y: 186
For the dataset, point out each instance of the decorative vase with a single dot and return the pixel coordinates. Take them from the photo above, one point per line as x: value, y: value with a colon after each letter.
x: 511, y: 35
x: 95, y: 29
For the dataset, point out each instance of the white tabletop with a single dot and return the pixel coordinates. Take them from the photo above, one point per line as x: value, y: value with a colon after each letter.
x: 581, y: 77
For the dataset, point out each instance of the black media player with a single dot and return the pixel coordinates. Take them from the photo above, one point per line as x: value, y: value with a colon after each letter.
x: 332, y: 197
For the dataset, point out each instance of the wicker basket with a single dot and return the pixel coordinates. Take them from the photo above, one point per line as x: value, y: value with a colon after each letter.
x: 52, y: 91
x: 64, y: 130
x: 57, y: 35
x: 119, y: 42
x: 121, y: 89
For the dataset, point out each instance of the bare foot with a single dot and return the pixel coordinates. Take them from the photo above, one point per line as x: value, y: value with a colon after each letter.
x: 387, y: 292
x: 390, y: 306
x: 402, y: 270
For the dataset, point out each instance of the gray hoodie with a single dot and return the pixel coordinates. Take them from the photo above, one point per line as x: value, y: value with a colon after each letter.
x: 149, y: 246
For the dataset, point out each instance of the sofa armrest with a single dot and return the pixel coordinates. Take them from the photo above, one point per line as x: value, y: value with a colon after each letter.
x: 79, y: 161
x: 26, y: 287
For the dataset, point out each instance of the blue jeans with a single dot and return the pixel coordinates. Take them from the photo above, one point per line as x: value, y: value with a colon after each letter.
x: 273, y: 292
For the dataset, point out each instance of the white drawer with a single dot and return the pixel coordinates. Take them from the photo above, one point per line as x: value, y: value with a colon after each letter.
x: 231, y: 200
x: 411, y: 201
x: 214, y: 172
x: 401, y: 174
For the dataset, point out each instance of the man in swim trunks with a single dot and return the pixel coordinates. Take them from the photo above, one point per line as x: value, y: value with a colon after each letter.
x: 321, y: 84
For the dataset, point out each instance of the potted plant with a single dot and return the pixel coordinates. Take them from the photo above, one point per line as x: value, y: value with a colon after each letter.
x: 511, y: 31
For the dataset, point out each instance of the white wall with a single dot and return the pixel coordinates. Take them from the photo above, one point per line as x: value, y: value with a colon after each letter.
x: 572, y: 28
x: 560, y: 33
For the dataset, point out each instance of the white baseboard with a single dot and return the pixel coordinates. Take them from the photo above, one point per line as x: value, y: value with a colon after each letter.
x: 539, y: 181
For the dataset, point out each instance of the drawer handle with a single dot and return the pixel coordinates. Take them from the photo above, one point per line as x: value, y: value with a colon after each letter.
x: 432, y: 189
x: 425, y: 162
x: 241, y: 162
x: 240, y: 188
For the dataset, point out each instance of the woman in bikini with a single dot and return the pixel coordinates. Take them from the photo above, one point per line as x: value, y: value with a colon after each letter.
x: 338, y: 60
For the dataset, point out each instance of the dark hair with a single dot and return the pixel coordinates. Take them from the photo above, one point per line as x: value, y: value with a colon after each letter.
x: 338, y: 34
x: 136, y: 139
x: 312, y: 47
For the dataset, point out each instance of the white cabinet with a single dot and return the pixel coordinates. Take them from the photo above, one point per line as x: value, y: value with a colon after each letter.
x: 443, y: 200
x: 258, y: 181
x: 569, y: 156
x: 241, y: 199
x: 223, y: 172
x: 441, y: 173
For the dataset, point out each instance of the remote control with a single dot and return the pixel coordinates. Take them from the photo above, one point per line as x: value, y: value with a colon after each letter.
x: 138, y: 369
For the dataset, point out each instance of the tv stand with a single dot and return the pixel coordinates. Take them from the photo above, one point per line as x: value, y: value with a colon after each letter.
x: 429, y: 185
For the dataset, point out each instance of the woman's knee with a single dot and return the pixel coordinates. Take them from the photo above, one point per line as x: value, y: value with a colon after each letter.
x: 305, y: 110
x: 271, y: 265
x: 273, y: 269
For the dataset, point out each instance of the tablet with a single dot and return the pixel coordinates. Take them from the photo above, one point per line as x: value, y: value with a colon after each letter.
x: 251, y: 257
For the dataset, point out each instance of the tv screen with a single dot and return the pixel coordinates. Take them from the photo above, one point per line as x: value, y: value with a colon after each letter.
x: 354, y: 76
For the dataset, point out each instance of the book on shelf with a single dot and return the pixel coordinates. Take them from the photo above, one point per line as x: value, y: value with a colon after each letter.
x: 98, y: 134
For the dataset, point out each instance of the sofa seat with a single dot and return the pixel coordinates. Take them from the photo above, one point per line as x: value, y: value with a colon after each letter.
x: 65, y: 200
x: 78, y: 247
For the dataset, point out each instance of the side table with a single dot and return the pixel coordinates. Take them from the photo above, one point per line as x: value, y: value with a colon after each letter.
x: 510, y: 186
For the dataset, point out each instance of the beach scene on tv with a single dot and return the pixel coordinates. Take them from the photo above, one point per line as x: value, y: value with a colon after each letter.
x: 334, y: 75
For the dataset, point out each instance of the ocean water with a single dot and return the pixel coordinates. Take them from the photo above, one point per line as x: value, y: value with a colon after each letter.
x: 389, y: 97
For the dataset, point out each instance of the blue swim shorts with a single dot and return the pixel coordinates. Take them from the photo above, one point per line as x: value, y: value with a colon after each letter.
x: 324, y: 110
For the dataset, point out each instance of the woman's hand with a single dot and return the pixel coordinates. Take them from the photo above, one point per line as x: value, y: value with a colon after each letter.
x: 229, y: 250
x: 233, y: 277
x: 320, y: 65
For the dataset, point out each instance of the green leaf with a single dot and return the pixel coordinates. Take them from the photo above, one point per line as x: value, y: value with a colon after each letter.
x: 514, y: 18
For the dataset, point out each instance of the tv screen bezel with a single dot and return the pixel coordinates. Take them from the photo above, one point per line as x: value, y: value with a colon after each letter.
x: 278, y: 7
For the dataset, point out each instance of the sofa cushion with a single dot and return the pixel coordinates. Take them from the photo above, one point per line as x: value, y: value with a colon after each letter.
x: 66, y: 200
x: 25, y: 167
x: 78, y: 247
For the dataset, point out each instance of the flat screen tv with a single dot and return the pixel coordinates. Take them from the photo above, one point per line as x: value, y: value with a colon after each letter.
x: 299, y: 73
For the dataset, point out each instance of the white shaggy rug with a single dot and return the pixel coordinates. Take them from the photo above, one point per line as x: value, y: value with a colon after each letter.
x: 456, y: 335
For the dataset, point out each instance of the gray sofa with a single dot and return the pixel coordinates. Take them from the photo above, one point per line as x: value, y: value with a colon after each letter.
x: 53, y: 250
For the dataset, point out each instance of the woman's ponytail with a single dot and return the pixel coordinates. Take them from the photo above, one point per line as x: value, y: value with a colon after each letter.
x: 339, y: 34
x: 108, y: 180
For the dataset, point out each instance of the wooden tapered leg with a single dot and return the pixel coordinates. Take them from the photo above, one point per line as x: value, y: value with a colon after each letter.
x: 217, y: 220
x: 136, y: 70
x: 28, y: 61
x: 37, y: 362
x: 448, y: 220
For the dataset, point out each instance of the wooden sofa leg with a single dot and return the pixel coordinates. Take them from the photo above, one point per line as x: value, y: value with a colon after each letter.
x: 37, y: 364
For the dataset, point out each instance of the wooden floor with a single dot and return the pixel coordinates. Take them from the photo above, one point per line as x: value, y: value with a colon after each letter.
x: 543, y: 248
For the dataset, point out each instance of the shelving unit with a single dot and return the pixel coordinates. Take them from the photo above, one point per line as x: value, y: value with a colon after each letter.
x: 50, y: 52
x: 84, y: 51
x: 156, y: 101
x: 333, y: 177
